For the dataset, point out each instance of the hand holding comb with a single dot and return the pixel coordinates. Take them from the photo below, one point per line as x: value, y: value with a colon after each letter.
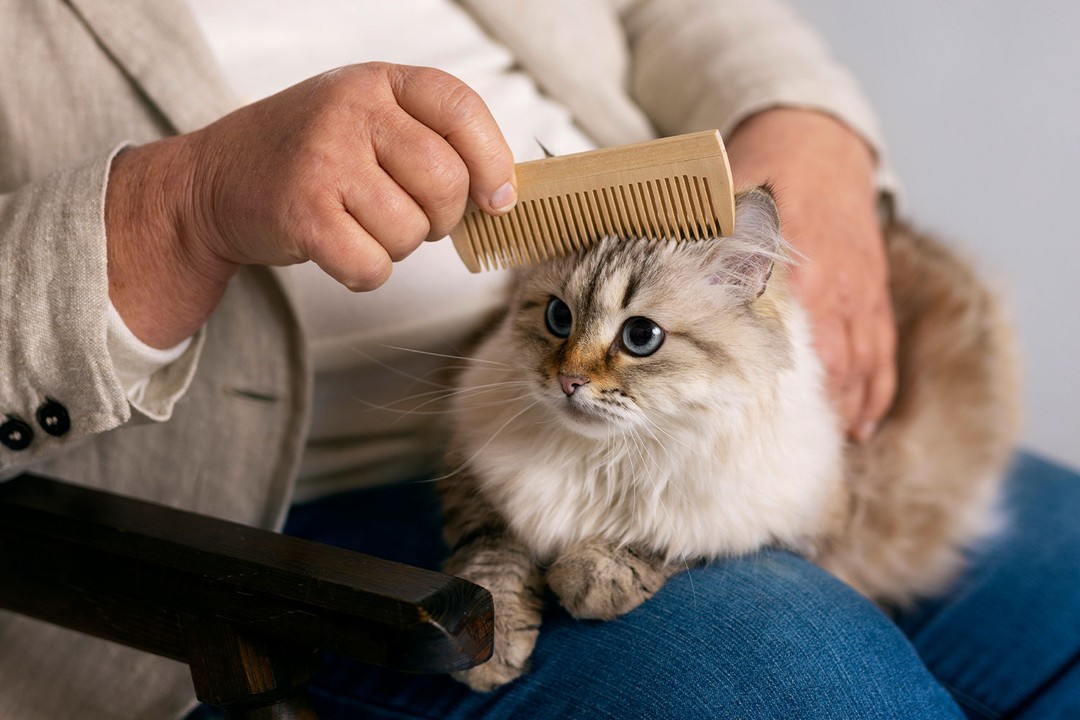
x: 676, y: 188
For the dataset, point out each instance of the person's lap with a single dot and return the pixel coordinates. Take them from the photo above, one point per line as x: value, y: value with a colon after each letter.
x: 767, y: 636
x: 1006, y: 640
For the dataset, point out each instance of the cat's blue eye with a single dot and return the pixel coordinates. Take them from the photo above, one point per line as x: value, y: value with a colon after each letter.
x: 558, y: 317
x: 641, y: 336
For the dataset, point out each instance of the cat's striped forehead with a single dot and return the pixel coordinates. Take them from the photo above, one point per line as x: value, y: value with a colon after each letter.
x: 614, y: 273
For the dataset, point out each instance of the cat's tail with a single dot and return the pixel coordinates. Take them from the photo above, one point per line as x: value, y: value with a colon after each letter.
x: 925, y: 487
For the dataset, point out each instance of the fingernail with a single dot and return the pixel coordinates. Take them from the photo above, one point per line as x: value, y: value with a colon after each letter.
x: 504, y: 199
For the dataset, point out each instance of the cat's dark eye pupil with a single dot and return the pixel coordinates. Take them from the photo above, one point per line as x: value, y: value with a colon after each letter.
x: 559, y: 319
x: 641, y: 336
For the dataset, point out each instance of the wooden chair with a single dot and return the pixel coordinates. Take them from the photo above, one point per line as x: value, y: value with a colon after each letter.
x: 246, y: 609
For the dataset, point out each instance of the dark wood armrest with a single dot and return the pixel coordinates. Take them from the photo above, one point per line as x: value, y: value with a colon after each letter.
x: 173, y: 583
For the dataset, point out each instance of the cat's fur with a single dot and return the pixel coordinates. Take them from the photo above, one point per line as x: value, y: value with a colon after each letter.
x: 578, y: 466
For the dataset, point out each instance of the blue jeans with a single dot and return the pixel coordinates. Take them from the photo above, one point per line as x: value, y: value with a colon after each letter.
x: 767, y: 636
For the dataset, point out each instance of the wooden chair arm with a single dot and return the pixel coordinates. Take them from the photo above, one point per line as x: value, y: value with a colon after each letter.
x: 213, y: 593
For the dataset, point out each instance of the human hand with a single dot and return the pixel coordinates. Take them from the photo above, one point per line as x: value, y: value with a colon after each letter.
x: 823, y: 176
x: 352, y: 169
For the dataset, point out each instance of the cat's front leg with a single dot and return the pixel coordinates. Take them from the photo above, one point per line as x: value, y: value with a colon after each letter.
x: 601, y: 580
x: 485, y: 552
x: 501, y: 564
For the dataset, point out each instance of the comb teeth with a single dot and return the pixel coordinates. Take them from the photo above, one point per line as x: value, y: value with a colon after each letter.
x: 675, y: 189
x: 672, y: 208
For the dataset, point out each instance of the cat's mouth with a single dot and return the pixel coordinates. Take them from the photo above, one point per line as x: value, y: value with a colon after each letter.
x: 591, y: 418
x: 587, y: 414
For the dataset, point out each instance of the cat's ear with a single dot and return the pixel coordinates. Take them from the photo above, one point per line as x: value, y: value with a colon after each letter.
x: 744, y: 261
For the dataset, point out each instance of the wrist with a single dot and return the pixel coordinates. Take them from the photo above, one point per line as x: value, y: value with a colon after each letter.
x: 778, y: 142
x: 163, y: 279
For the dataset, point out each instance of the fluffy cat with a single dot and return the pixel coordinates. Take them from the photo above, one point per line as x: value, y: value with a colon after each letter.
x: 648, y: 405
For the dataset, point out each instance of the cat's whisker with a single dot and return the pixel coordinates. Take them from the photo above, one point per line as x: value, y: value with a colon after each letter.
x: 396, y: 370
x: 690, y: 579
x: 507, y: 369
x: 469, y: 396
x: 498, y: 403
x: 667, y: 514
x: 440, y: 396
x: 489, y: 387
x: 670, y: 482
x: 468, y: 461
x: 448, y: 356
x: 447, y: 393
x: 667, y: 434
x: 652, y: 428
x: 647, y: 449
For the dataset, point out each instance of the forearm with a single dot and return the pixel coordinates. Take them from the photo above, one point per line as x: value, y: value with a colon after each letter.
x: 824, y: 175
x: 771, y: 145
x: 162, y: 281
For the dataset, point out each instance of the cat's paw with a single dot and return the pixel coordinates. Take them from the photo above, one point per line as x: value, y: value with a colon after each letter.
x: 602, y: 582
x: 509, y: 661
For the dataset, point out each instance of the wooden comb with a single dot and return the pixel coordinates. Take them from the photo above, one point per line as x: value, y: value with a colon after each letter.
x: 676, y: 188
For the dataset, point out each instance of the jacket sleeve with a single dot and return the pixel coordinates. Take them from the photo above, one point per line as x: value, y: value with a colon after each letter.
x: 697, y: 64
x: 57, y: 383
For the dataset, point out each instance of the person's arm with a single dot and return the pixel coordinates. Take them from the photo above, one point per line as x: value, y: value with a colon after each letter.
x: 352, y: 170
x: 795, y: 118
x: 53, y: 315
x: 823, y: 173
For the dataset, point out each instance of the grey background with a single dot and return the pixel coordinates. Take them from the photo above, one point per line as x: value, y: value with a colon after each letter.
x: 980, y: 105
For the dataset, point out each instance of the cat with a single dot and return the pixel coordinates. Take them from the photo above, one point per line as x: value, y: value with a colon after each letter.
x: 646, y: 405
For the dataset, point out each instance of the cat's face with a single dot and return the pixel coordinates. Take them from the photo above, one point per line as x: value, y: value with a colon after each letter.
x: 639, y: 336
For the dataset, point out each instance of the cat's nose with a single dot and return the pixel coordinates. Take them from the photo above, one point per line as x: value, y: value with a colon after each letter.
x: 570, y: 383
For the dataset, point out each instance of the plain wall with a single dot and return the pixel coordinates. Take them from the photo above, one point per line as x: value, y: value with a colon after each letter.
x: 980, y: 106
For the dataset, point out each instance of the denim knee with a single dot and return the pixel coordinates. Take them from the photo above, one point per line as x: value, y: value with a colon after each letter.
x: 769, y: 636
x: 1006, y: 639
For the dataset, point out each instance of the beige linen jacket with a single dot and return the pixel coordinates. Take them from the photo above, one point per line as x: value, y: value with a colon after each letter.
x: 81, y: 78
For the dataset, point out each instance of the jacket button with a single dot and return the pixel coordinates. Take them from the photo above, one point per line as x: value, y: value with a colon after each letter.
x: 15, y: 434
x: 53, y: 418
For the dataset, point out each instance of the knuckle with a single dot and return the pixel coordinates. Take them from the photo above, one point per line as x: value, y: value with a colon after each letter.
x: 459, y: 101
x: 362, y: 75
x: 889, y: 337
x: 809, y: 278
x: 442, y: 189
x: 835, y: 366
x: 408, y: 238
x: 885, y: 384
x: 864, y: 356
x: 449, y: 188
x: 389, y: 129
x: 445, y: 172
x: 400, y: 227
x: 833, y: 358
x: 850, y: 404
x: 442, y: 221
x: 370, y: 275
x: 882, y: 400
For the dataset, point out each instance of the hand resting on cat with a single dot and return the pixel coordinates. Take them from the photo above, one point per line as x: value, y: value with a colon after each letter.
x: 646, y: 405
